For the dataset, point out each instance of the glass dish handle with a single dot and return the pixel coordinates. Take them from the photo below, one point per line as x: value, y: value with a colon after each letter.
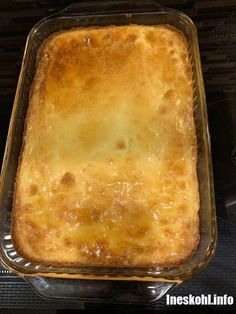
x: 105, y: 7
x: 77, y: 290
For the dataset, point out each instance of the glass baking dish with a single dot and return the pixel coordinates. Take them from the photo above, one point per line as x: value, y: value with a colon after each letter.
x: 113, y: 284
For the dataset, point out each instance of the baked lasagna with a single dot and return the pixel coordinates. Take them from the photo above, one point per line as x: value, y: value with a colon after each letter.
x: 107, y: 173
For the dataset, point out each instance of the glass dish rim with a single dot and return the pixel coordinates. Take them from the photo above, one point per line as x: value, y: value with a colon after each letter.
x: 62, y: 273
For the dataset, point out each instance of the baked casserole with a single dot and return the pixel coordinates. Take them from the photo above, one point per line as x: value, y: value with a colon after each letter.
x: 107, y: 173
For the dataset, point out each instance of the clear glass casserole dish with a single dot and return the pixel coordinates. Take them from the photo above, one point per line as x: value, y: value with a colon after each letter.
x: 114, y: 284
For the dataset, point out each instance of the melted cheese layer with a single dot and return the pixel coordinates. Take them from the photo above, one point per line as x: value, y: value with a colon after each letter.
x: 107, y: 175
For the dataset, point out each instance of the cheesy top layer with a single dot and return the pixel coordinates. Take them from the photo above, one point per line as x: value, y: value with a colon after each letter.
x: 107, y: 174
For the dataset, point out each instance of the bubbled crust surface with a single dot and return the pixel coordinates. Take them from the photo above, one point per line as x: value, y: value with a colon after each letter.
x: 107, y: 174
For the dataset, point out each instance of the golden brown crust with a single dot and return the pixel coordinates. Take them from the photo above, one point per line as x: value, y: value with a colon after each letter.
x: 107, y: 173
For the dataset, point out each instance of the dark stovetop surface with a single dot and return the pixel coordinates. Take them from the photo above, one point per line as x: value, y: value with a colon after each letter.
x: 216, y: 23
